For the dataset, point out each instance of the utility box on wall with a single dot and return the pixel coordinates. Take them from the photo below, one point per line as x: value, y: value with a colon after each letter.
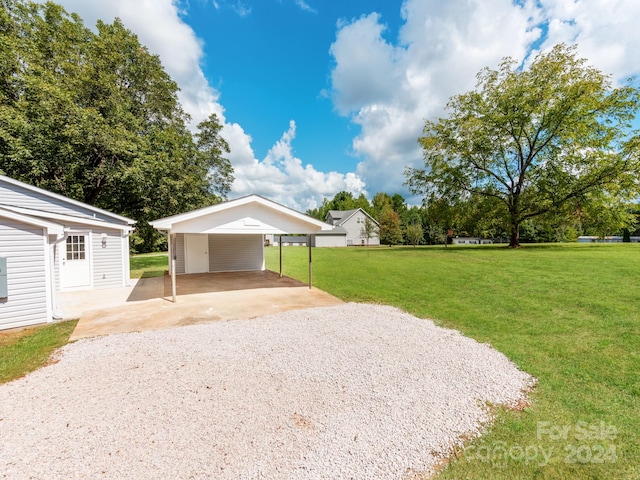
x: 3, y: 278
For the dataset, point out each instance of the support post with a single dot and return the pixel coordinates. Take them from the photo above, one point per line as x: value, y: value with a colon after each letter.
x: 280, y: 247
x: 310, y: 261
x: 172, y: 252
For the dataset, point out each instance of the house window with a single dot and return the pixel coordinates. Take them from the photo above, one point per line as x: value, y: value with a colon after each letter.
x: 75, y: 247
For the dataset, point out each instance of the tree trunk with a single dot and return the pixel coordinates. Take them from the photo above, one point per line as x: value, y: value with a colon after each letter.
x: 515, y: 234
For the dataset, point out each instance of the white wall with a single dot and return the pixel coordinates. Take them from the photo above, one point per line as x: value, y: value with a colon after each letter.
x: 329, y: 241
x: 24, y: 246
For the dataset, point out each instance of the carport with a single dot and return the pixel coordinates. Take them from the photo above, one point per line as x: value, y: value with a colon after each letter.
x: 229, y: 237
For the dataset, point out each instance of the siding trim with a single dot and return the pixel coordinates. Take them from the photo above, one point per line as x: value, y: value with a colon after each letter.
x: 48, y: 274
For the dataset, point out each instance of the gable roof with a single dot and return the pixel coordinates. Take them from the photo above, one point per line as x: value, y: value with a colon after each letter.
x: 52, y: 228
x: 344, y: 215
x: 66, y: 220
x: 248, y: 214
x: 63, y: 199
x: 337, y: 230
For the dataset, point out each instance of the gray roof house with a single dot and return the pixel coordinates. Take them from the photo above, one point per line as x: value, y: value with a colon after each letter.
x: 347, y: 227
x: 50, y: 244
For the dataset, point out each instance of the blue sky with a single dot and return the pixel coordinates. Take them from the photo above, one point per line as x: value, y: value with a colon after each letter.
x: 318, y: 96
x: 279, y: 70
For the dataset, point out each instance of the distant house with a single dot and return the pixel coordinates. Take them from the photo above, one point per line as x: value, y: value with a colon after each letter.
x: 347, y: 229
x: 471, y: 241
x: 609, y: 239
x: 49, y: 244
x: 287, y: 240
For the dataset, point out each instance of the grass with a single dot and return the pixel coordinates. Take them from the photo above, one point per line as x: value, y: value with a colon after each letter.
x: 25, y: 350
x: 148, y: 265
x: 567, y: 314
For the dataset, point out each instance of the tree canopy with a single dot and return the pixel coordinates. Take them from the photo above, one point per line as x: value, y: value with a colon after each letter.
x: 95, y: 117
x: 549, y: 139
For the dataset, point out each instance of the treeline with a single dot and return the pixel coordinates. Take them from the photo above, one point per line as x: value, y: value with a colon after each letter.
x: 438, y: 221
x: 95, y: 117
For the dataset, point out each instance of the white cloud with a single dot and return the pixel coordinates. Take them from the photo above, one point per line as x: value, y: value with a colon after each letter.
x: 389, y: 88
x: 284, y: 178
x: 385, y: 87
x: 606, y: 32
x: 158, y: 25
x: 305, y: 6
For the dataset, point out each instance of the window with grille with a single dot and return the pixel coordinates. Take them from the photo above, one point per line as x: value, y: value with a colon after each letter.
x: 75, y: 247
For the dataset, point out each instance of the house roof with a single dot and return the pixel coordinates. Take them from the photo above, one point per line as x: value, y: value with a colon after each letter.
x: 65, y: 221
x: 52, y: 228
x: 252, y: 214
x: 62, y: 198
x: 344, y: 215
x: 337, y: 230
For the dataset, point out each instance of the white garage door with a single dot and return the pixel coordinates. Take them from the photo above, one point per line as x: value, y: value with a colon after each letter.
x: 234, y: 253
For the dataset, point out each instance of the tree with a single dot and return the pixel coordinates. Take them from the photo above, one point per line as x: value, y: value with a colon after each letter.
x: 534, y: 139
x: 380, y: 201
x: 390, y: 227
x: 369, y: 230
x: 414, y: 234
x: 95, y: 117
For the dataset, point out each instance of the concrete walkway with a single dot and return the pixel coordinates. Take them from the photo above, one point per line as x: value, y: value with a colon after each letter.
x: 201, y: 298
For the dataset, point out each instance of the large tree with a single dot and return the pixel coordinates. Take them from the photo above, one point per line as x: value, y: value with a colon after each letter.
x: 94, y: 116
x: 536, y: 139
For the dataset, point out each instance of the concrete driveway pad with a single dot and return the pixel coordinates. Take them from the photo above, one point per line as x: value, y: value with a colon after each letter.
x: 200, y: 298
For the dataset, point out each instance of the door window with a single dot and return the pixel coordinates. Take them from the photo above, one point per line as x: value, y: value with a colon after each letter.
x: 75, y: 247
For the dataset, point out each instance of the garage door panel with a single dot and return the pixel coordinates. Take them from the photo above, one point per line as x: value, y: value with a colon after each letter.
x: 233, y: 253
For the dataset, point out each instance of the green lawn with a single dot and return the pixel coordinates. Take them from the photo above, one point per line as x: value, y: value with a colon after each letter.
x: 148, y: 265
x: 568, y: 314
x: 25, y: 350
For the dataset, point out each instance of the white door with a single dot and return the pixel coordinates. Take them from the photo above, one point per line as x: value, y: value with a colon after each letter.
x: 196, y: 253
x: 76, y: 264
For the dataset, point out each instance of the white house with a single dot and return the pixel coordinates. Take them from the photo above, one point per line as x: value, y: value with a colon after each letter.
x: 348, y: 229
x: 609, y: 239
x: 471, y: 241
x: 49, y: 244
x: 230, y: 236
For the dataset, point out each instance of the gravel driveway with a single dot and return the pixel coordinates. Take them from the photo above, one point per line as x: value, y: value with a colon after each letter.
x: 351, y: 391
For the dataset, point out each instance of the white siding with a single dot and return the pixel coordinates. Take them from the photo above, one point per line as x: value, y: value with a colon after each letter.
x: 354, y: 230
x: 23, y: 245
x: 108, y: 265
x: 233, y: 253
x: 17, y: 196
x: 329, y: 241
x: 180, y: 265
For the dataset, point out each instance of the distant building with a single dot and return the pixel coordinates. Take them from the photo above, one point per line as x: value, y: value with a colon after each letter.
x: 607, y: 239
x: 347, y: 231
x: 287, y: 240
x: 348, y: 227
x: 471, y: 241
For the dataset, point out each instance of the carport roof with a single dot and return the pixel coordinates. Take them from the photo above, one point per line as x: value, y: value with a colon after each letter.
x: 251, y: 214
